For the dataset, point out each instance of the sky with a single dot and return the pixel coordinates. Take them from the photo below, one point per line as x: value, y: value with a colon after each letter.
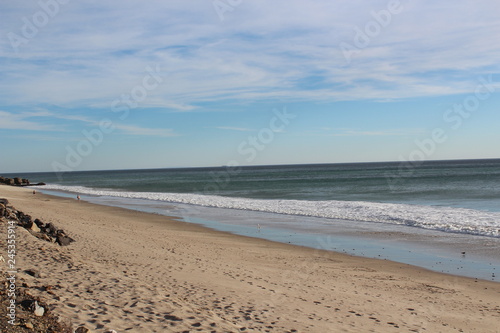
x: 93, y: 85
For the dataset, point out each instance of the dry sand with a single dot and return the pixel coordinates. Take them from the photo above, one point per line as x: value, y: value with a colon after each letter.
x: 139, y: 272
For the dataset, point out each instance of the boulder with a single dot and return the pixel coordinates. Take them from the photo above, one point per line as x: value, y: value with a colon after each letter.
x: 34, y: 228
x: 50, y: 229
x: 17, y: 181
x: 11, y: 214
x: 39, y: 223
x: 24, y: 220
x: 64, y: 240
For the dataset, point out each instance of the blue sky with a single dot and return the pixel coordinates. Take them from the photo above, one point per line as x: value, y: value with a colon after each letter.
x: 202, y: 83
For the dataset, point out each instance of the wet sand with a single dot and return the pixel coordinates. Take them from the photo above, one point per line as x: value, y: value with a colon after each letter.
x: 139, y: 272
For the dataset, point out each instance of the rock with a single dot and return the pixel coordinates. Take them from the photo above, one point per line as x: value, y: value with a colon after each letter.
x: 82, y: 329
x: 32, y: 305
x: 34, y: 228
x: 39, y: 310
x: 47, y: 232
x: 42, y: 236
x: 39, y: 223
x: 50, y: 229
x: 18, y: 181
x: 29, y: 325
x: 64, y: 240
x: 25, y: 220
x: 4, y: 201
x: 11, y: 214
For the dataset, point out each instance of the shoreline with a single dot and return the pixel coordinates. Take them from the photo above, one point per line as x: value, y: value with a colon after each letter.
x: 459, y: 254
x: 146, y: 272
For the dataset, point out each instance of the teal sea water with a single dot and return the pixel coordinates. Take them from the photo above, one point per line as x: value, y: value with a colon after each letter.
x: 428, y: 195
x: 473, y: 184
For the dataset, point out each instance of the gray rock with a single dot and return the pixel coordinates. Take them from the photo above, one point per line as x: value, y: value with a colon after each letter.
x: 39, y: 223
x: 11, y: 214
x: 50, y: 229
x: 64, y: 240
x: 25, y: 220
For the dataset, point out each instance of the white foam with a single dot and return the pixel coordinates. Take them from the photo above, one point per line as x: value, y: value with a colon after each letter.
x: 429, y: 217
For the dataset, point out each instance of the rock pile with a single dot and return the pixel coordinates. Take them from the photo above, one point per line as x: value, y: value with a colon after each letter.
x: 17, y: 181
x: 39, y: 229
x: 29, y: 314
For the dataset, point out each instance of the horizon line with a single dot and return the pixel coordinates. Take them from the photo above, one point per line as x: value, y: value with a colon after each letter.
x: 264, y: 165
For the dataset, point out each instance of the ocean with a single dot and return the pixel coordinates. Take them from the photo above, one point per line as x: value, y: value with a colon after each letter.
x: 451, y: 202
x: 451, y: 196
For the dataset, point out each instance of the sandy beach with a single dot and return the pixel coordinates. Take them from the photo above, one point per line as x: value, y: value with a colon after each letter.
x: 137, y: 272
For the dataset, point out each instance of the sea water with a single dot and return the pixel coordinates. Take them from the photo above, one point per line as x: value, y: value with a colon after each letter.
x: 448, y: 207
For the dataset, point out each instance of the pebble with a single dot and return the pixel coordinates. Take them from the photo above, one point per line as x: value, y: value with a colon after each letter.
x: 39, y: 310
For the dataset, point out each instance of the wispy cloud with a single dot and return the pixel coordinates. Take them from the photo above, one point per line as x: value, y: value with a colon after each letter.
x: 260, y: 51
x: 340, y: 132
x: 13, y: 121
x: 390, y: 132
x: 143, y: 131
x: 20, y: 121
x: 239, y: 129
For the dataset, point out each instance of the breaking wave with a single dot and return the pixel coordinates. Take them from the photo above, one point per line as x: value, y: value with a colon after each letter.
x: 458, y: 220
